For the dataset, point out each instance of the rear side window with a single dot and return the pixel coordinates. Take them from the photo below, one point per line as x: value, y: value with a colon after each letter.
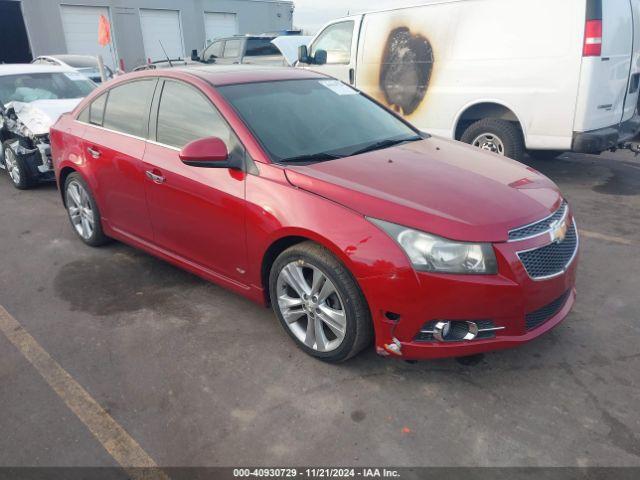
x: 127, y: 108
x: 185, y: 114
x: 259, y: 47
x: 96, y: 110
x: 232, y: 48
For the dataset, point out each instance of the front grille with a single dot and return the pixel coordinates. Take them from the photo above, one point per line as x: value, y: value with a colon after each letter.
x: 540, y: 316
x: 425, y: 336
x: 552, y: 259
x: 539, y: 227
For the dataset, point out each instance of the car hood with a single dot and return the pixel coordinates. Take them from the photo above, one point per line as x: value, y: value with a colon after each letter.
x: 435, y: 185
x: 39, y: 115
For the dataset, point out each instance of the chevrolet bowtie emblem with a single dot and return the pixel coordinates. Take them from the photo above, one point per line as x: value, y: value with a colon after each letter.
x: 558, y: 231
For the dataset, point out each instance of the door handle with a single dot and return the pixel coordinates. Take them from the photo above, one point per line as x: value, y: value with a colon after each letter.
x: 154, y: 177
x: 352, y: 76
x: 93, y: 152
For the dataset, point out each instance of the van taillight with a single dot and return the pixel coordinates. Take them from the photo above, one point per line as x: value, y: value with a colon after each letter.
x: 593, y: 39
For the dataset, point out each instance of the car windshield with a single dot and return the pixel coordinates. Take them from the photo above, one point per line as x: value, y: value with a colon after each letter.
x: 28, y: 87
x: 315, y: 120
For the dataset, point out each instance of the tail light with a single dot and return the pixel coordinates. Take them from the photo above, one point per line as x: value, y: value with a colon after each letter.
x: 593, y: 39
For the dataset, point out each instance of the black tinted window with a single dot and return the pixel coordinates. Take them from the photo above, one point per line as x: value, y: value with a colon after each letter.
x: 298, y: 118
x: 127, y: 108
x: 96, y: 110
x: 257, y: 47
x: 186, y: 115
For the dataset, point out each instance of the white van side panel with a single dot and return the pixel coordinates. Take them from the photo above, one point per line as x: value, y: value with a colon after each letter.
x: 604, y: 80
x: 631, y: 104
x: 521, y: 54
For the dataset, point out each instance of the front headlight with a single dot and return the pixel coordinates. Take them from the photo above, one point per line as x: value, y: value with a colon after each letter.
x: 430, y: 253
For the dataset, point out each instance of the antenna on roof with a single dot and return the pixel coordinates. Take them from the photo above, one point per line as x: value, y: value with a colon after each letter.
x: 165, y: 53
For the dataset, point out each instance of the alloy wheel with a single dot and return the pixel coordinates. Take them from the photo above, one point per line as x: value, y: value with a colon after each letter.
x: 80, y: 210
x: 311, y: 306
x: 489, y: 141
x: 11, y: 163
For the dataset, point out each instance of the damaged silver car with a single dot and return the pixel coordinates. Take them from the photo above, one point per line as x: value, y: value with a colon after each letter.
x: 32, y: 97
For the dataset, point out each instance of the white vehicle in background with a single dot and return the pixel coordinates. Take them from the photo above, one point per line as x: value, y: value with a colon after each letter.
x: 508, y: 76
x: 32, y: 98
x: 85, y: 64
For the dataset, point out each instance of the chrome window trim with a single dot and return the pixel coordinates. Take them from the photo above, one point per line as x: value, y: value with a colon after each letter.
x: 171, y: 147
x: 564, y: 216
x: 564, y: 269
x: 111, y: 130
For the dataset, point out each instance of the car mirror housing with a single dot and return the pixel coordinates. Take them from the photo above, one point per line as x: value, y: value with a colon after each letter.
x: 303, y: 54
x: 209, y: 152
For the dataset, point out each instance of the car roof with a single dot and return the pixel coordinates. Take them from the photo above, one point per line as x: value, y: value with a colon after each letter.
x: 219, y: 75
x: 87, y: 60
x: 18, y: 68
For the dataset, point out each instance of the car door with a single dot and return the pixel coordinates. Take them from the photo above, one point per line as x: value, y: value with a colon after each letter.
x: 340, y: 41
x: 197, y: 213
x: 114, y: 143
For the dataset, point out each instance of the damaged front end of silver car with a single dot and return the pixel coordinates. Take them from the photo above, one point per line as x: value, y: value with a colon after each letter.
x: 26, y: 134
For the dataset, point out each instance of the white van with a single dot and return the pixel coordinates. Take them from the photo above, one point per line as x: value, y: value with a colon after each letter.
x: 505, y: 75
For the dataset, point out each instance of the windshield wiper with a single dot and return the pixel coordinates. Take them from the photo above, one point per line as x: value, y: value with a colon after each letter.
x: 313, y: 157
x: 389, y: 142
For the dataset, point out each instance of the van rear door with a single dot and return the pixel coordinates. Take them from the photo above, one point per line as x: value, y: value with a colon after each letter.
x: 606, y: 65
x: 633, y: 90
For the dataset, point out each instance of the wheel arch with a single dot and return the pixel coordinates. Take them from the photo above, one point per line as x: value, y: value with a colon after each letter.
x: 487, y: 108
x: 288, y: 239
x: 64, y: 173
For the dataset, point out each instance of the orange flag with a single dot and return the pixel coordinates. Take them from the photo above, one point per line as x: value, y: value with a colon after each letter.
x: 104, y: 31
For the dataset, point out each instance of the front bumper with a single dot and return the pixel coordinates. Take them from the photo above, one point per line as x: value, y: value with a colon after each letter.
x: 38, y: 160
x: 403, y: 303
x: 603, y: 139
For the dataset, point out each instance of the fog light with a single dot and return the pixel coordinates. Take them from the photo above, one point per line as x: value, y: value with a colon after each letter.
x: 455, y: 331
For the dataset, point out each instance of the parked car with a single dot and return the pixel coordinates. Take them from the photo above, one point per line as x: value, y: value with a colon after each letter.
x: 295, y: 190
x: 238, y: 49
x: 503, y: 75
x: 32, y: 97
x: 85, y: 64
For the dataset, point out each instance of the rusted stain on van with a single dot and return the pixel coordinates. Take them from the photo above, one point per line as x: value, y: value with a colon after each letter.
x: 405, y: 70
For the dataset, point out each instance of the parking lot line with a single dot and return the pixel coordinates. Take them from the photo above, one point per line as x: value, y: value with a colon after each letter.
x: 608, y: 238
x: 115, y: 439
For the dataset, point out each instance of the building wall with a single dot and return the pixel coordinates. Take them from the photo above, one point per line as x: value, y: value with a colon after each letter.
x: 44, y: 22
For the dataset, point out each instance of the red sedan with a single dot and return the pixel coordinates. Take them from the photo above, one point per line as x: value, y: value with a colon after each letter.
x: 298, y: 191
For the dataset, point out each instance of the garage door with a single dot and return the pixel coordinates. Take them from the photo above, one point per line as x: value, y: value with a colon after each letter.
x: 161, y: 28
x: 217, y: 25
x: 80, y: 25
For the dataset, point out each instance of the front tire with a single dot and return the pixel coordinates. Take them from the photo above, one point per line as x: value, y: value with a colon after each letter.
x: 497, y: 136
x: 16, y: 169
x: 319, y: 303
x: 83, y: 211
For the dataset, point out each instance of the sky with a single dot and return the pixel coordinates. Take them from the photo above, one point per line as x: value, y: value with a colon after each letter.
x: 310, y: 15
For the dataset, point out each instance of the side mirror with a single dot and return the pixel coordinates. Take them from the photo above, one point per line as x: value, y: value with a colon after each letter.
x: 320, y: 58
x: 209, y: 152
x: 303, y: 54
x: 194, y: 55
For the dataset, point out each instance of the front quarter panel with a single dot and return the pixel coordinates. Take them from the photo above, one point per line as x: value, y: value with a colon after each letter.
x: 66, y: 146
x: 276, y: 209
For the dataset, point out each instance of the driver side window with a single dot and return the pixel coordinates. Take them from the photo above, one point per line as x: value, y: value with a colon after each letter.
x: 213, y: 52
x: 336, y: 40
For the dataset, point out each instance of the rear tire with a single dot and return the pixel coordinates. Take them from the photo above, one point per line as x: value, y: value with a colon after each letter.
x: 332, y: 327
x: 83, y: 211
x: 17, y: 169
x: 498, y: 136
